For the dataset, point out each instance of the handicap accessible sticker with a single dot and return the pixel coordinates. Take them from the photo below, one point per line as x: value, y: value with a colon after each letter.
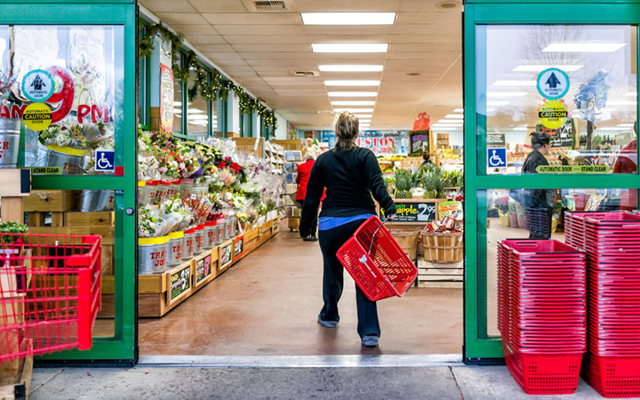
x: 497, y: 157
x: 553, y: 114
x: 553, y: 83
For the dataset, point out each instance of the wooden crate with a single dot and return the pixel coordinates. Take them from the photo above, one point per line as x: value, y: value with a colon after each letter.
x: 436, y: 275
x: 249, y: 145
x: 50, y: 200
x: 16, y: 384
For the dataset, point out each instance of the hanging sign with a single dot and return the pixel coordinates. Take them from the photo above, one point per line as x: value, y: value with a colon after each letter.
x: 553, y: 83
x: 166, y: 98
x: 37, y: 116
x: 496, y: 140
x: 38, y: 85
x: 553, y: 114
x: 414, y: 211
x: 379, y: 145
x: 573, y: 169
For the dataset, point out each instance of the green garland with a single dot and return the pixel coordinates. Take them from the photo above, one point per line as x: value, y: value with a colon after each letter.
x: 211, y: 90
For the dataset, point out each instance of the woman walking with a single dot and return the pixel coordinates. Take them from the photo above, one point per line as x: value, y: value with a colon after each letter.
x: 350, y: 175
x: 302, y: 179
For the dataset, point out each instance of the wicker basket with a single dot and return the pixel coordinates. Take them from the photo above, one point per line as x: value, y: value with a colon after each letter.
x: 444, y: 248
x: 408, y: 241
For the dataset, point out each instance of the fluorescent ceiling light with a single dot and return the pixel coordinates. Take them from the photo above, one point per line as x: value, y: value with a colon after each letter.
x: 449, y: 121
x: 447, y: 125
x: 363, y: 115
x: 197, y: 117
x: 364, y: 121
x: 507, y: 94
x: 348, y: 18
x: 521, y: 128
x: 350, y: 47
x: 177, y: 103
x: 177, y: 110
x: 632, y: 94
x: 583, y: 47
x: 354, y: 110
x: 351, y: 68
x: 445, y: 128
x: 514, y: 83
x: 352, y: 83
x: 454, y: 116
x: 459, y: 110
x: 353, y: 103
x: 194, y: 111
x: 353, y: 94
x: 626, y: 125
x: 497, y: 103
x: 490, y: 110
x: 622, y: 103
x: 540, y: 68
x: 612, y: 129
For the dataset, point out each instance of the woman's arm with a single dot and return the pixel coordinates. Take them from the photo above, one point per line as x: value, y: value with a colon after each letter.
x: 376, y: 184
x: 298, y: 174
x: 315, y: 188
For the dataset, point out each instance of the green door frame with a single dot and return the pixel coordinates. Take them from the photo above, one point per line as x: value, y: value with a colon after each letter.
x: 122, y: 347
x: 478, y: 346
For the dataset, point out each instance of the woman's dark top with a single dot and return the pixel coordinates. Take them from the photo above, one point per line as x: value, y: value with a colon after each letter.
x: 539, y: 198
x: 350, y: 177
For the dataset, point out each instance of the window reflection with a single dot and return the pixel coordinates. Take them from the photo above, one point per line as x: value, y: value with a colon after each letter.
x: 575, y: 85
x: 197, y: 113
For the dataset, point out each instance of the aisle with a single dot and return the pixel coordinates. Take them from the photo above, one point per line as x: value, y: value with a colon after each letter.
x: 268, y: 305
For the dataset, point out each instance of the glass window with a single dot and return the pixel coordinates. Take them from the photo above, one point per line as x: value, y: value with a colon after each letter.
x: 529, y: 213
x: 63, y: 84
x: 142, y: 86
x: 197, y: 112
x: 565, y: 96
x: 177, y: 100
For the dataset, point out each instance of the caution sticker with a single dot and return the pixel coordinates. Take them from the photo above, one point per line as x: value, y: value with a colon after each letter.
x: 553, y: 114
x: 37, y: 116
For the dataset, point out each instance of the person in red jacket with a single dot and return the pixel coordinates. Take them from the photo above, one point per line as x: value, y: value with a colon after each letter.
x: 304, y: 171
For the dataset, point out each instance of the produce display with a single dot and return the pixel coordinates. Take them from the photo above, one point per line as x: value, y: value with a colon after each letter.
x: 185, y: 186
x: 428, y: 182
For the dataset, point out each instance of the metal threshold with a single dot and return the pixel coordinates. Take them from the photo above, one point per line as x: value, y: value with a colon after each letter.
x: 333, y: 361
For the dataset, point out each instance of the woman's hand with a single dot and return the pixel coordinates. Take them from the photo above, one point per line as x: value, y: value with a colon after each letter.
x: 391, y: 217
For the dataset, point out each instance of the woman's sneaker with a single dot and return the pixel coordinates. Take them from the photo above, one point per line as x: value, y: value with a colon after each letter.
x: 327, y: 324
x: 370, y: 341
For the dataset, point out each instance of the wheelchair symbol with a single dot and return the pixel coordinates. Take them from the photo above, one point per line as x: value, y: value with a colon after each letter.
x: 104, y: 161
x: 497, y: 158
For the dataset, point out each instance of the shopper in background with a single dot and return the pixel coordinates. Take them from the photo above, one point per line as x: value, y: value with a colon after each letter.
x: 627, y: 163
x: 304, y: 171
x: 350, y: 174
x: 538, y: 203
x: 426, y: 160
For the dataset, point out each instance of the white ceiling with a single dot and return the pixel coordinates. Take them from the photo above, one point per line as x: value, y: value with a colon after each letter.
x: 260, y: 50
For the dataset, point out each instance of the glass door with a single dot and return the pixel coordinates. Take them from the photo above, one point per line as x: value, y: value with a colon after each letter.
x: 72, y: 68
x: 550, y: 107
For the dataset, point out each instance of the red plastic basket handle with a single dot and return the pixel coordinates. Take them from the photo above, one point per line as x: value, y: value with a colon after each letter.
x: 376, y: 232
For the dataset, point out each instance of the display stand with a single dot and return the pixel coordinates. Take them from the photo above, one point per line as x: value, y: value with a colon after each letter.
x: 160, y: 293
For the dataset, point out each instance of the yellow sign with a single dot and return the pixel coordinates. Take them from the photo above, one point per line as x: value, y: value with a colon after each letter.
x: 37, y: 116
x: 573, y: 169
x: 553, y: 114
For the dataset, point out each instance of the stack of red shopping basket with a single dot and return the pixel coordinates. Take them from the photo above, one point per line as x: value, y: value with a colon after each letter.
x: 542, y: 313
x: 612, y: 242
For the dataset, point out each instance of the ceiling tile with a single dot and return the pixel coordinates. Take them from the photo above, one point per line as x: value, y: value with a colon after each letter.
x: 271, y: 30
x: 262, y: 48
x: 196, y: 39
x: 222, y: 63
x: 428, y: 29
x: 350, y: 5
x: 433, y: 38
x: 262, y: 39
x: 277, y: 56
x: 254, y: 18
x: 216, y: 48
x: 223, y: 56
x: 158, y: 6
x: 219, y: 6
x: 428, y: 18
x: 186, y: 29
x: 178, y: 18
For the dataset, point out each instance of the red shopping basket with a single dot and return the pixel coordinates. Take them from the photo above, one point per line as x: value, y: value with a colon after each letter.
x: 376, y: 262
x: 49, y: 293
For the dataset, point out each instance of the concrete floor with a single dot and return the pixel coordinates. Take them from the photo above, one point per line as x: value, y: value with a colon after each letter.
x: 441, y: 383
x: 268, y: 305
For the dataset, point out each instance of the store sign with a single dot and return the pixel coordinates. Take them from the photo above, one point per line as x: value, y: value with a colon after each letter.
x: 573, y: 169
x: 453, y: 208
x: 203, y: 269
x: 37, y: 85
x: 497, y: 157
x: 238, y: 247
x: 166, y: 98
x: 414, y: 211
x: 553, y: 114
x: 46, y: 170
x: 496, y: 140
x: 379, y: 145
x: 179, y: 283
x: 226, y: 255
x: 553, y: 84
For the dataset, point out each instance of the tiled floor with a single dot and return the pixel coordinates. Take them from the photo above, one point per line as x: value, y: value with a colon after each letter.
x: 268, y: 304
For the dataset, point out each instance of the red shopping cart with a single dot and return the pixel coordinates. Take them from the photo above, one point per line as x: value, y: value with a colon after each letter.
x: 49, y: 293
x: 376, y: 262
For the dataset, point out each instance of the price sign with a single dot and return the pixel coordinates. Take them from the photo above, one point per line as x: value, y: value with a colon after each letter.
x: 414, y: 212
x: 179, y: 283
x: 203, y: 269
x: 238, y: 247
x: 226, y: 254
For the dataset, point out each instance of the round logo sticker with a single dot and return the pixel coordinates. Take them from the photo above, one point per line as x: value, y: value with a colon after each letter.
x: 38, y: 85
x: 553, y: 114
x: 37, y: 116
x: 553, y: 83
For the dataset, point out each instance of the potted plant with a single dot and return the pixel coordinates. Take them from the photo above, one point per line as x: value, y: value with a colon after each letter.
x: 503, y: 210
x: 13, y: 281
x: 520, y: 214
x: 556, y: 211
